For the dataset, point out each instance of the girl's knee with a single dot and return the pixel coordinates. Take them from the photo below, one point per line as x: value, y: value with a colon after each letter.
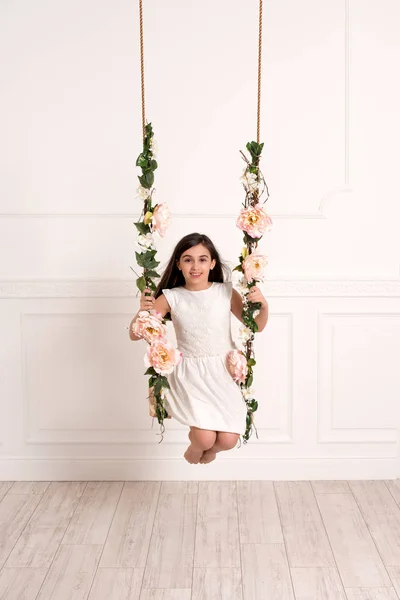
x: 202, y: 438
x: 227, y: 441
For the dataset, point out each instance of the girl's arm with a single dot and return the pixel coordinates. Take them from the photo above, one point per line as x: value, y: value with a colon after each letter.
x: 255, y: 295
x: 148, y: 302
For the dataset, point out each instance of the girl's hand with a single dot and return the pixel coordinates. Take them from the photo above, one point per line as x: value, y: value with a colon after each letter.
x: 255, y: 295
x: 147, y: 300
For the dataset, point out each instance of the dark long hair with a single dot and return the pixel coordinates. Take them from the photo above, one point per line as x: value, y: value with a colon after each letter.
x: 173, y: 277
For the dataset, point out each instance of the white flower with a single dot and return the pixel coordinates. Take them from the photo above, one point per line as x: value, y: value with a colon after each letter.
x: 142, y: 193
x: 248, y: 393
x: 256, y: 313
x: 242, y: 286
x: 249, y: 180
x: 245, y: 334
x: 154, y: 147
x: 146, y: 241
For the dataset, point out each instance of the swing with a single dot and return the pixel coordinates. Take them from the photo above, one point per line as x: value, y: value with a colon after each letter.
x: 253, y: 221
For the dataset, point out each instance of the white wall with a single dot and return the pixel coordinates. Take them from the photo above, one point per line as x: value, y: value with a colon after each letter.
x: 72, y: 392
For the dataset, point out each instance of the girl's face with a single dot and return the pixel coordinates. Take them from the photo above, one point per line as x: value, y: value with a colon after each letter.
x: 195, y: 264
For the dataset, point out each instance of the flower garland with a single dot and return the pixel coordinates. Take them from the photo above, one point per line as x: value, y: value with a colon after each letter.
x: 254, y: 222
x: 161, y: 357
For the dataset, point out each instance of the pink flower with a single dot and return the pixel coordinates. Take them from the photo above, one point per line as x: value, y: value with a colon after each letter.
x: 253, y: 266
x: 162, y: 356
x: 237, y: 365
x: 254, y: 220
x: 149, y: 326
x: 161, y: 219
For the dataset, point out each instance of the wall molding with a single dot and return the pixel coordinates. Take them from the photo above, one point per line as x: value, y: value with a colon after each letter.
x: 176, y: 469
x: 36, y: 435
x: 319, y: 214
x: 327, y: 433
x: 119, y: 288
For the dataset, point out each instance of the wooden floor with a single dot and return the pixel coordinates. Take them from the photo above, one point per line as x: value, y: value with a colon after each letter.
x: 200, y: 541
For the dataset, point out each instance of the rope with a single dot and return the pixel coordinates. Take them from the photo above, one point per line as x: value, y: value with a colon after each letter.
x: 142, y: 66
x: 259, y: 70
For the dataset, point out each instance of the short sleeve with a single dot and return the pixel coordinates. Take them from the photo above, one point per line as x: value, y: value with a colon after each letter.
x: 169, y: 294
x: 228, y: 289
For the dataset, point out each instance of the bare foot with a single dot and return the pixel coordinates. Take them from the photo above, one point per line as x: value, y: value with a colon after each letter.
x: 192, y: 455
x: 208, y: 456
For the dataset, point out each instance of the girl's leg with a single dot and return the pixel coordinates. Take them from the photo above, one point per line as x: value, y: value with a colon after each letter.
x: 224, y: 441
x: 201, y: 440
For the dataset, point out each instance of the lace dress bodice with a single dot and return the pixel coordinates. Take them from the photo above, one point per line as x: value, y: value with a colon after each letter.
x: 202, y: 319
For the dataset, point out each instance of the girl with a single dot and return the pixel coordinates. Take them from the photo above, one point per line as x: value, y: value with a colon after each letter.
x: 203, y: 394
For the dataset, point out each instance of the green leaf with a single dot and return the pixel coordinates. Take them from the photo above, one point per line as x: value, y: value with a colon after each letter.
x: 151, y: 371
x: 251, y: 362
x: 254, y: 306
x: 142, y: 160
x: 146, y: 259
x: 140, y: 259
x: 158, y: 386
x: 142, y: 228
x: 147, y: 179
x: 238, y: 268
x: 249, y: 380
x: 255, y: 149
x: 153, y: 165
x: 253, y: 405
x: 143, y: 182
x: 152, y: 274
x: 141, y: 283
x: 151, y: 285
x: 151, y: 263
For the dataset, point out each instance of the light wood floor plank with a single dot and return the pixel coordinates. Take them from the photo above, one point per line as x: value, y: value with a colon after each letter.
x: 128, y: 541
x: 305, y: 537
x: 382, y: 516
x: 394, y: 574
x: 166, y: 595
x: 71, y: 574
x: 179, y: 487
x: 393, y: 486
x: 217, y: 531
x: 170, y: 559
x: 259, y: 521
x: 371, y: 594
x: 30, y: 487
x: 41, y: 538
x: 4, y: 487
x: 331, y: 487
x: 117, y: 584
x: 217, y: 584
x: 266, y: 572
x: 356, y: 556
x: 317, y: 583
x: 15, y: 512
x: 93, y: 516
x: 21, y: 584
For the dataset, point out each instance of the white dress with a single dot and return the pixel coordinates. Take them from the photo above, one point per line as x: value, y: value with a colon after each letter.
x: 203, y: 393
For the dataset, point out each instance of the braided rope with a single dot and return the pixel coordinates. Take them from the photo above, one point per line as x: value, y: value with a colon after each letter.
x: 259, y: 69
x: 142, y: 66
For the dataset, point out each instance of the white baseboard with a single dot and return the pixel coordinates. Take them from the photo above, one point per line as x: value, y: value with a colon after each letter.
x: 169, y: 469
